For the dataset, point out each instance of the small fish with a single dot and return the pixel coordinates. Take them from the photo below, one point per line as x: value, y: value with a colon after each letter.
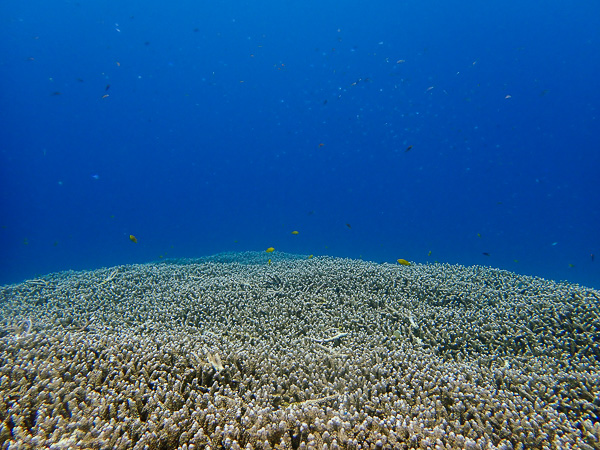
x: 132, y: 238
x: 403, y: 262
x: 96, y: 177
x: 571, y: 265
x: 592, y: 256
x: 310, y: 256
x: 408, y: 149
x: 107, y: 87
x: 348, y: 225
x: 269, y: 261
x: 295, y: 232
x: 429, y: 254
x: 270, y: 250
x: 478, y: 235
x: 56, y: 93
x: 486, y: 254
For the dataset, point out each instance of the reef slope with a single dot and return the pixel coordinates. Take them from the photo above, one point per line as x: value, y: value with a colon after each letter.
x: 233, y: 352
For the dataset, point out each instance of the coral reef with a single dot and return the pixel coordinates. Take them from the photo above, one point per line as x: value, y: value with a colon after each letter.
x: 231, y: 352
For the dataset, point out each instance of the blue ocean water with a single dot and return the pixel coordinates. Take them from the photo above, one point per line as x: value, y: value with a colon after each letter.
x: 460, y: 132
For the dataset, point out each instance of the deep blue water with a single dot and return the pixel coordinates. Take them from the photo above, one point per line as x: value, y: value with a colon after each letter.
x: 438, y: 131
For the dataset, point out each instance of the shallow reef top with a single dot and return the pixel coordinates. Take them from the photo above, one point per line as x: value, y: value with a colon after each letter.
x: 234, y: 351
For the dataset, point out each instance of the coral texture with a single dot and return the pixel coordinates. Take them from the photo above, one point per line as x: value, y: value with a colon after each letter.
x: 234, y: 352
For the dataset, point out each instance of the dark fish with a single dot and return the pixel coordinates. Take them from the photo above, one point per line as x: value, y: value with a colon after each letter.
x: 592, y: 256
x: 56, y: 93
x: 107, y: 87
x: 408, y: 148
x: 486, y: 253
x: 348, y: 225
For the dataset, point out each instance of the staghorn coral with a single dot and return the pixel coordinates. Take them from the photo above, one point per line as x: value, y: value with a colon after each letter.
x: 229, y: 352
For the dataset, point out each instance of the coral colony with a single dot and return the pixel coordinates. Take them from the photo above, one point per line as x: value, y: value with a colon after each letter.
x: 231, y: 352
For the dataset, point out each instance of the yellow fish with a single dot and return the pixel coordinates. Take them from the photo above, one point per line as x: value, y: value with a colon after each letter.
x: 403, y: 262
x: 269, y: 262
x: 429, y: 254
x: 270, y: 250
x: 310, y: 256
x: 294, y: 232
x: 132, y: 238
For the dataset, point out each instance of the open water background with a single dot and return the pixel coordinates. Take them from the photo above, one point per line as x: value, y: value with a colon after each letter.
x: 461, y: 132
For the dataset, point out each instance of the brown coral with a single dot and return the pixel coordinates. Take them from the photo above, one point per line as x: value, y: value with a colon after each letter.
x: 230, y: 352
